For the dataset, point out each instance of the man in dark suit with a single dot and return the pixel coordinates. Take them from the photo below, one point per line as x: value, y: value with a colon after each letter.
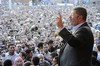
x: 77, y: 50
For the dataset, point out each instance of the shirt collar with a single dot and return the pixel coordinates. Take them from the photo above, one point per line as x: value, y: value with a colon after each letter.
x: 74, y: 28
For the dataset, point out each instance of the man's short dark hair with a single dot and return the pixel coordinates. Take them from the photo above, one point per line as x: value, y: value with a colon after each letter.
x: 28, y: 50
x: 40, y: 45
x: 23, y: 53
x: 11, y: 31
x: 35, y: 60
x: 50, y: 42
x: 8, y: 62
x: 11, y: 45
x: 81, y: 11
x: 28, y: 63
x: 53, y: 54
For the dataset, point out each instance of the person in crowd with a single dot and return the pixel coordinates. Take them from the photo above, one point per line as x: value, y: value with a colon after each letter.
x: 51, y: 46
x: 98, y: 39
x: 35, y: 61
x: 11, y: 35
x: 1, y: 63
x: 98, y: 53
x: 46, y: 52
x: 29, y: 54
x: 4, y: 42
x: 55, y: 61
x: 53, y: 55
x: 23, y: 55
x: 7, y: 62
x: 40, y: 48
x: 97, y: 26
x: 18, y: 62
x: 42, y: 60
x: 18, y: 48
x: 95, y: 62
x: 11, y: 54
x: 77, y: 50
x: 35, y: 51
x: 28, y: 63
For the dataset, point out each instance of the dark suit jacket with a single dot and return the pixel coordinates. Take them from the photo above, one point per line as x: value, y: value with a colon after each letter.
x: 78, y: 48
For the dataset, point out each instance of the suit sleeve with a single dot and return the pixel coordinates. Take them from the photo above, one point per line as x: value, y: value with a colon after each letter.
x: 81, y: 38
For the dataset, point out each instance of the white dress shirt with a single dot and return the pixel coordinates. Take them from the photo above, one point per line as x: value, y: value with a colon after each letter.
x: 74, y: 28
x: 11, y: 57
x: 98, y: 56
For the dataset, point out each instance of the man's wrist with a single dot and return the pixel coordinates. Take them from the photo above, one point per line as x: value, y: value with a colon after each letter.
x: 60, y: 29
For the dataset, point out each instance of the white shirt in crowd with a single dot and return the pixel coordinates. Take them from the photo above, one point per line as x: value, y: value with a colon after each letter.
x: 98, y: 57
x: 11, y: 57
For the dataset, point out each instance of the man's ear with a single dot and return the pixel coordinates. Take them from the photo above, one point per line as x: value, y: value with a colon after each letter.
x: 80, y: 17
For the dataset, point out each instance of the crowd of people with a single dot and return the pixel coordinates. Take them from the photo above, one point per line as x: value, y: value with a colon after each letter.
x: 26, y: 55
x: 27, y: 35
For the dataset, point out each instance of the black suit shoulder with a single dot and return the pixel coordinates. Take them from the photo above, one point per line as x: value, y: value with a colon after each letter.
x: 82, y: 36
